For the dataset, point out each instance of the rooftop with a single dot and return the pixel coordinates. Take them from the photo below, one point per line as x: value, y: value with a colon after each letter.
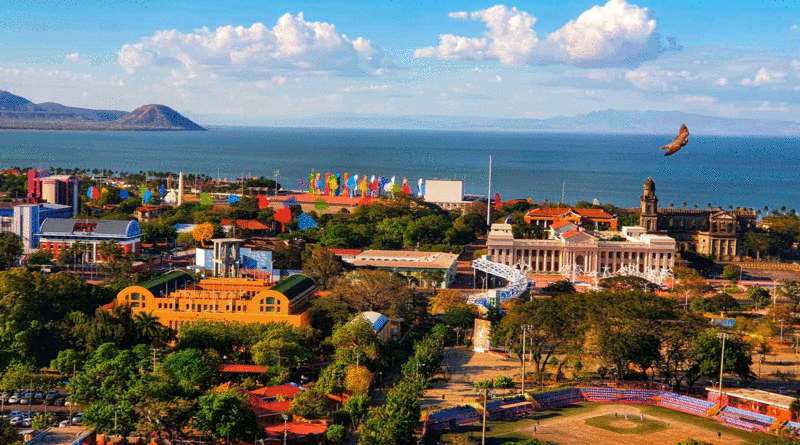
x: 169, y: 281
x: 756, y: 395
x: 59, y: 436
x: 404, y: 258
x: 295, y: 286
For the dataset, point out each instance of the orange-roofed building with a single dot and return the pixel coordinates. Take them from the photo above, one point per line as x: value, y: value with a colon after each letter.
x: 547, y: 216
x: 176, y: 299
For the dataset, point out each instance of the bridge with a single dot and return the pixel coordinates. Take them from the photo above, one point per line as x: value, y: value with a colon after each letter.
x: 517, y: 283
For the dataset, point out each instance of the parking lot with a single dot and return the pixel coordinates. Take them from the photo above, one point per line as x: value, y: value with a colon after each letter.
x: 21, y: 414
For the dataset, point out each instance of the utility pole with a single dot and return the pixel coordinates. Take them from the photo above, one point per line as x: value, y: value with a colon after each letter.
x: 489, y: 198
x: 722, y: 366
x: 483, y: 432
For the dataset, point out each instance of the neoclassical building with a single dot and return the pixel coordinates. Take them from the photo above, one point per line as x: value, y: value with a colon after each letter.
x: 593, y: 252
x: 708, y: 231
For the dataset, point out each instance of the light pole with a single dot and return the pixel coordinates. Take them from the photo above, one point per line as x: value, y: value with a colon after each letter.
x: 525, y: 328
x: 285, y: 419
x: 722, y: 365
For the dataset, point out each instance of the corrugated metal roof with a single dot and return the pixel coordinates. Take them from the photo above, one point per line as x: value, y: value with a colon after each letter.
x: 295, y: 286
x: 167, y: 282
x: 116, y: 227
x: 58, y: 225
x: 102, y: 227
x: 376, y: 319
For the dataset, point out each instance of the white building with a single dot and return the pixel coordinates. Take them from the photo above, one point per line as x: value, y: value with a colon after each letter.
x: 592, y: 252
x: 447, y: 194
x: 427, y: 268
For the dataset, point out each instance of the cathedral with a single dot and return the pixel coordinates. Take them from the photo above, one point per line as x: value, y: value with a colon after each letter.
x: 714, y: 232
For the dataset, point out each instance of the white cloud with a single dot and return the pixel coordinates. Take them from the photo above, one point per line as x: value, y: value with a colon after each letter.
x: 616, y: 34
x: 700, y: 99
x: 367, y: 89
x: 458, y: 15
x: 764, y: 76
x: 722, y: 81
x: 293, y: 45
x: 72, y: 57
x: 656, y: 78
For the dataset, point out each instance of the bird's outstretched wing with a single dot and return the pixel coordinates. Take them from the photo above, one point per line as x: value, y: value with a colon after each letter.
x: 680, y: 140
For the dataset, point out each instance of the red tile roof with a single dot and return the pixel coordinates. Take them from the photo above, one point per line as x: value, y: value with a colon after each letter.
x: 352, y: 252
x: 266, y: 408
x: 274, y: 391
x: 592, y: 213
x: 297, y: 429
x: 247, y: 224
x: 570, y: 233
x: 233, y: 367
x: 549, y: 211
x: 560, y: 223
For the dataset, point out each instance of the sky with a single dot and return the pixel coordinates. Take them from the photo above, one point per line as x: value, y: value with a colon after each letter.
x: 253, y: 61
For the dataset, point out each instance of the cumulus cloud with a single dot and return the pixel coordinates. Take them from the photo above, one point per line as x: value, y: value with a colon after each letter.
x: 764, y: 76
x: 657, y: 78
x: 72, y: 57
x: 616, y: 34
x: 257, y: 52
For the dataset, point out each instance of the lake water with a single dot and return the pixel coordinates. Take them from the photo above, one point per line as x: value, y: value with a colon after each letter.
x: 739, y: 171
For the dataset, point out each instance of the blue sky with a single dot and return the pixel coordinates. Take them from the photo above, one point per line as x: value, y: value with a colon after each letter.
x: 255, y: 61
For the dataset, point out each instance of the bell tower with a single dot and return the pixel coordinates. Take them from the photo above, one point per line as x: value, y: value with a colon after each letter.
x: 649, y: 216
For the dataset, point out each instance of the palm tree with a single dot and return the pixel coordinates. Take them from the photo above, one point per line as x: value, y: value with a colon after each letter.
x: 148, y: 325
x: 684, y: 204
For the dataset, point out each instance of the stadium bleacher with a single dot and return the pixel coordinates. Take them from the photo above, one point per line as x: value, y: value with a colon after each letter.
x: 558, y: 398
x: 462, y: 415
x: 600, y: 394
x: 685, y: 404
x: 746, y: 419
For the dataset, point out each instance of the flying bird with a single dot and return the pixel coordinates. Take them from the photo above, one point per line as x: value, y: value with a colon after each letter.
x: 680, y: 140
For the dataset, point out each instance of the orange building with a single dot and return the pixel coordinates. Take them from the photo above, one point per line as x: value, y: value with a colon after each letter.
x: 546, y: 216
x: 176, y: 299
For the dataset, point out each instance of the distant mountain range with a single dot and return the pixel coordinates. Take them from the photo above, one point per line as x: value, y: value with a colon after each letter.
x: 20, y: 113
x: 598, y: 122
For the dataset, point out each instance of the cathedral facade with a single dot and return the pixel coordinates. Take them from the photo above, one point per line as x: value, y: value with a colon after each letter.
x: 714, y: 232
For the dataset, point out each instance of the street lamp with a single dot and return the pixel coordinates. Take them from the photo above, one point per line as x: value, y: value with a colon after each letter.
x: 721, y: 365
x: 285, y: 419
x: 525, y: 328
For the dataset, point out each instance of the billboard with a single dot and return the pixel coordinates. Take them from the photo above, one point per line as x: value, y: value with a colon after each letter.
x: 440, y: 190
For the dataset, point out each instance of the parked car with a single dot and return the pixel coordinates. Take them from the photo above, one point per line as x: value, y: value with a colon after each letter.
x: 77, y: 418
x: 52, y: 395
x: 15, y: 414
x: 13, y: 399
x: 15, y: 421
x: 24, y: 401
x: 39, y: 395
x: 63, y: 424
x: 58, y: 402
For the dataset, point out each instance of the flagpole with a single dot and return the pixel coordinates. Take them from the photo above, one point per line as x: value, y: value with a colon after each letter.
x: 489, y: 197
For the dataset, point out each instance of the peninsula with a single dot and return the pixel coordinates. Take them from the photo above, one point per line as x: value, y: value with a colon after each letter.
x: 19, y: 113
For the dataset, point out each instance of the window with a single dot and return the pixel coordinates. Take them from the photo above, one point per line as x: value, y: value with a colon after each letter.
x: 187, y: 306
x: 205, y: 308
x: 279, y: 309
x: 270, y: 309
x: 270, y: 300
x: 135, y: 296
x: 134, y: 304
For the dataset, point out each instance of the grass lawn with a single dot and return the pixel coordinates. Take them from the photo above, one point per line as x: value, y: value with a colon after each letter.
x: 619, y: 425
x: 657, y: 419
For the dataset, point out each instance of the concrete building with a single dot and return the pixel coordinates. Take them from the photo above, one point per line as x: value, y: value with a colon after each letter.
x: 426, y: 268
x: 26, y: 219
x: 447, y: 194
x: 231, y: 255
x: 592, y: 252
x: 547, y: 216
x: 57, y: 234
x: 176, y: 299
x: 55, y: 189
x: 386, y: 329
x: 713, y: 232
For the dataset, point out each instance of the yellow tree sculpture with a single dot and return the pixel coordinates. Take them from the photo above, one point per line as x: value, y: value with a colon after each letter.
x: 203, y: 232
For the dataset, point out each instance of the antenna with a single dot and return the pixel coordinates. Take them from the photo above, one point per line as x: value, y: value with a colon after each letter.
x: 563, y: 185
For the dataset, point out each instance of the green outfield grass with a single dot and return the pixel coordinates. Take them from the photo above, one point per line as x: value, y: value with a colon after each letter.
x: 656, y: 419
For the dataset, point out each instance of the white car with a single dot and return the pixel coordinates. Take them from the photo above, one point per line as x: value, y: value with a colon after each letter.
x: 63, y: 424
x: 78, y: 418
x: 15, y: 421
x: 13, y: 399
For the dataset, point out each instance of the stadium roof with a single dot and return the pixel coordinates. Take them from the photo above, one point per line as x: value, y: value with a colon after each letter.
x: 169, y: 281
x: 295, y: 287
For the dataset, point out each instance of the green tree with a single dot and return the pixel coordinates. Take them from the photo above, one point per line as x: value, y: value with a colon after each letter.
x: 759, y: 296
x: 148, y: 326
x: 357, y: 406
x: 37, y: 258
x: 328, y: 312
x: 287, y: 256
x: 459, y: 318
x: 43, y: 421
x: 8, y: 434
x: 708, y: 352
x: 116, y: 418
x: 310, y: 404
x: 790, y: 290
x: 225, y: 416
x: 559, y: 287
x: 372, y: 290
x: 717, y: 303
x: 757, y: 242
x: 10, y: 249
x: 322, y: 266
x: 189, y: 369
x: 335, y: 434
x: 731, y: 272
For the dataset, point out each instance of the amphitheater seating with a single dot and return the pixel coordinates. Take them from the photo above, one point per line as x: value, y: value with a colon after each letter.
x: 600, y: 394
x: 746, y: 419
x: 685, y: 404
x: 462, y: 415
x: 558, y: 398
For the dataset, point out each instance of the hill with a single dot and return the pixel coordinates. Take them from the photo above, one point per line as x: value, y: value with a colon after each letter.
x: 156, y: 116
x: 19, y: 113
